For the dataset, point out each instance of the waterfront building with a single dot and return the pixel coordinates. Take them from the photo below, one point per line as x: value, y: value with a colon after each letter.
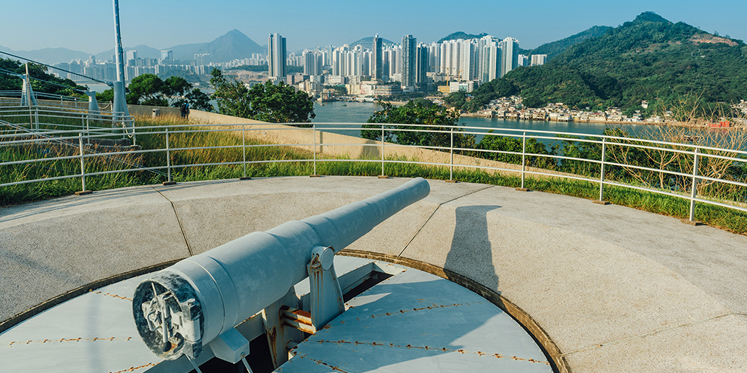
x: 276, y: 56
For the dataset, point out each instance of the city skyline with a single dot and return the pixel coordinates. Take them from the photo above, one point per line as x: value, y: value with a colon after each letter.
x: 164, y: 24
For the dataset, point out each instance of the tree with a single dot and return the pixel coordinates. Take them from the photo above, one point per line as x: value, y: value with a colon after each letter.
x: 267, y: 102
x: 438, y: 119
x: 147, y: 89
x: 199, y: 100
x: 176, y: 87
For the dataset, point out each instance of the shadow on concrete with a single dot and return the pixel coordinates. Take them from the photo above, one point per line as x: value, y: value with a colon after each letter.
x: 471, y: 252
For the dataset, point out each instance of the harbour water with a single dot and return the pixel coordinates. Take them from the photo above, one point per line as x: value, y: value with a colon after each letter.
x: 357, y: 112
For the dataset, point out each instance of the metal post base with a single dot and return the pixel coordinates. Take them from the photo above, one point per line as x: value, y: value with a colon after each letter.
x: 83, y: 192
x: 245, y: 178
x: 523, y: 189
x: 598, y: 202
x: 383, y: 176
x: 694, y: 223
x: 166, y: 183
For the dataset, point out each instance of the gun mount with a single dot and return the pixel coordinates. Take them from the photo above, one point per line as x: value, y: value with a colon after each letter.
x: 199, y: 300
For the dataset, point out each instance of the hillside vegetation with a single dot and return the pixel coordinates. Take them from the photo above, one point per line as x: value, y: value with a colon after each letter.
x: 649, y: 58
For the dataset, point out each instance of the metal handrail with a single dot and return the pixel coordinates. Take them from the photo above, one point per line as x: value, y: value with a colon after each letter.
x: 696, y: 152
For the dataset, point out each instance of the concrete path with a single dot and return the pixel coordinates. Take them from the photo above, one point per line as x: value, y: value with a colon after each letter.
x: 615, y: 289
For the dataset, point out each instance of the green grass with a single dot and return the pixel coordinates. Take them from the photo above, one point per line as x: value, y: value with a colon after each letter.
x: 727, y: 219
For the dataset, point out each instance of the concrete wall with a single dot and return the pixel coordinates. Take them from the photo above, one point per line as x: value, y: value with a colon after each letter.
x: 331, y: 145
x: 146, y: 110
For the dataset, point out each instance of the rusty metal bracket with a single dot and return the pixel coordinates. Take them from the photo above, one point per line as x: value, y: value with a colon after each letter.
x: 326, y: 296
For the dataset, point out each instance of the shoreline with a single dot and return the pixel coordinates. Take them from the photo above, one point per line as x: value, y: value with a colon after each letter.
x: 667, y: 123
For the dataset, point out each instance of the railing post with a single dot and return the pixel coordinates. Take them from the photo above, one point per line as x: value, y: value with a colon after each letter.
x: 313, y: 134
x: 36, y: 117
x: 82, y: 167
x: 243, y: 149
x: 84, y: 118
x: 382, y: 176
x: 451, y: 156
x: 694, y: 190
x: 168, y: 160
x: 601, y: 174
x: 523, y: 157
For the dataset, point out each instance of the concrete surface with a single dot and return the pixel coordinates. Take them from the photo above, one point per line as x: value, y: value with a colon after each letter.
x: 616, y: 289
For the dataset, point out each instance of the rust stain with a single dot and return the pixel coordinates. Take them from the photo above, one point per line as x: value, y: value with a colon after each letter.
x: 132, y: 369
x: 435, y: 306
x: 444, y: 349
x: 113, y: 295
x: 323, y: 363
x: 47, y: 341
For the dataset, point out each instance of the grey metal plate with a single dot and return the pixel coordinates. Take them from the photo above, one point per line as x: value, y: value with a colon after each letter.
x: 417, y: 322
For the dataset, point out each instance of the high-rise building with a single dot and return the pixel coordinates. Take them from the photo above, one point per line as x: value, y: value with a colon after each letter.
x: 510, y: 55
x: 523, y: 60
x: 421, y: 78
x: 276, y: 56
x: 489, y: 59
x: 312, y: 62
x: 409, y: 60
x: 467, y: 61
x: 167, y: 55
x: 376, y: 59
x: 539, y: 59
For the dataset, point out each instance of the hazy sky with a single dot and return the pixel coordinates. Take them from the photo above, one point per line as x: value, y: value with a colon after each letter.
x: 88, y: 25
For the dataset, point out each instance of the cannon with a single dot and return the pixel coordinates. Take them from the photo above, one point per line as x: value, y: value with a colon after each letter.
x: 200, y: 300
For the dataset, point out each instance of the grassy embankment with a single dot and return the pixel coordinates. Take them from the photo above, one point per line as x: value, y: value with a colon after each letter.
x: 290, y: 166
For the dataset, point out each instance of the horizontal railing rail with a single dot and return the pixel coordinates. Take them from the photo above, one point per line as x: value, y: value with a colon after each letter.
x: 606, y: 167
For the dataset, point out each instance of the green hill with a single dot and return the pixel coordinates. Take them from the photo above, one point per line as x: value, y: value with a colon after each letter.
x: 649, y: 58
x: 557, y: 47
x: 461, y: 35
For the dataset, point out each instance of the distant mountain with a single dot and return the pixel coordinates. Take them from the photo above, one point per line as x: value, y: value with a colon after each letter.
x: 232, y: 45
x: 649, y: 58
x: 367, y: 42
x: 186, y: 52
x: 143, y: 51
x: 51, y: 55
x: 557, y: 47
x: 461, y: 35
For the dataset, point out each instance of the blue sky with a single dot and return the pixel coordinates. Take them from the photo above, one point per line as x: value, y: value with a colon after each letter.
x: 87, y: 25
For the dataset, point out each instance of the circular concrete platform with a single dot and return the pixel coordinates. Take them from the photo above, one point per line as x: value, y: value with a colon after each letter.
x: 611, y: 288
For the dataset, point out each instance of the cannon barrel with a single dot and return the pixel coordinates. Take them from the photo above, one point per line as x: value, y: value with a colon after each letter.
x: 181, y: 308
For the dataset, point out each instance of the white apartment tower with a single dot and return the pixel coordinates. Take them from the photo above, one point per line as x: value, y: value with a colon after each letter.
x: 276, y: 56
x: 538, y: 59
x: 510, y: 55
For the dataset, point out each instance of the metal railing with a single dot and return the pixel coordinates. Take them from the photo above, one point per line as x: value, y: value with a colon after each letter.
x: 443, y: 154
x: 45, y: 118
